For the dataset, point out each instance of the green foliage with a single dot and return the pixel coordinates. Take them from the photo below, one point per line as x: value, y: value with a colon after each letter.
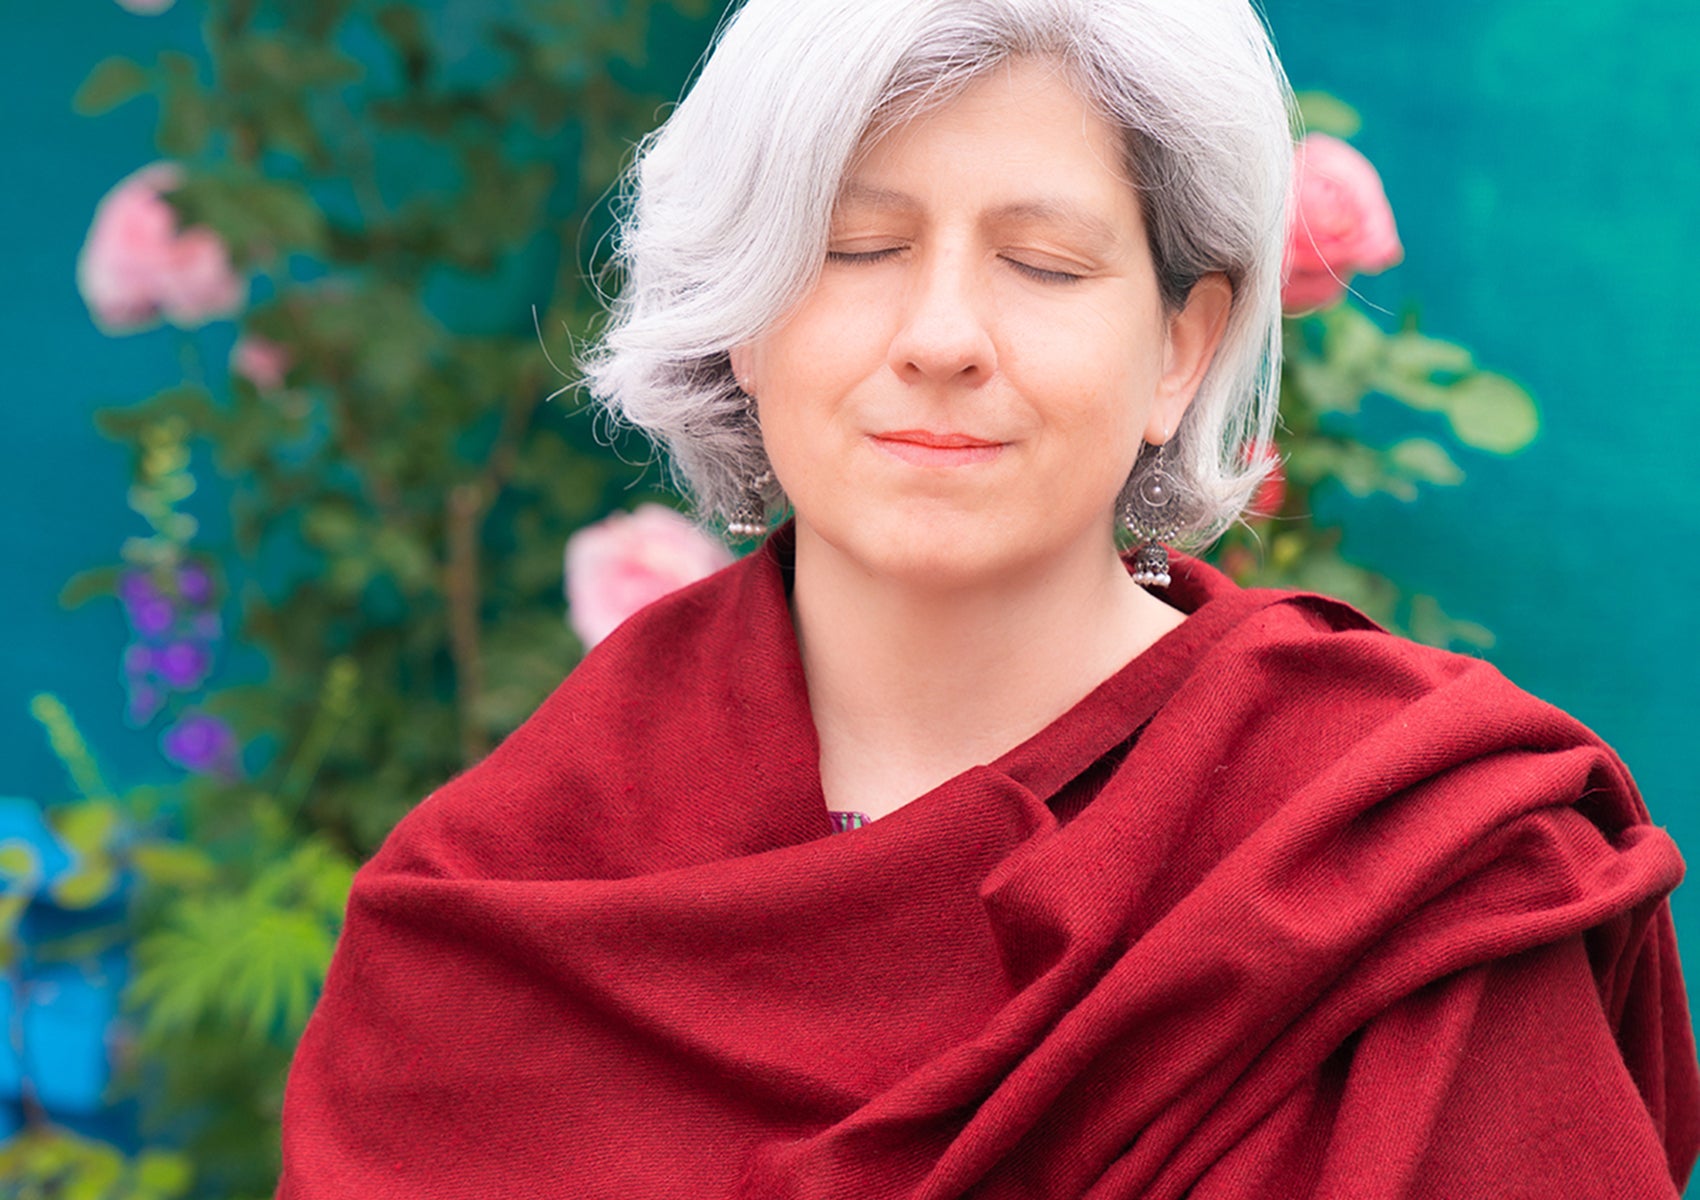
x: 250, y: 960
x: 58, y: 1165
x: 1333, y: 361
x: 407, y: 473
x: 1320, y: 112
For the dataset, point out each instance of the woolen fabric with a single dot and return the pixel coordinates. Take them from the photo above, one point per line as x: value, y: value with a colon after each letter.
x: 1287, y: 907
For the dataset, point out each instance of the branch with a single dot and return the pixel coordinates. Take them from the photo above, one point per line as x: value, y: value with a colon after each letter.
x: 460, y: 584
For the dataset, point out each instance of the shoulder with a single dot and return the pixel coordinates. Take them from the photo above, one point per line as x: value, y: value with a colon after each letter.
x: 1313, y: 646
x: 1308, y: 687
x: 678, y: 687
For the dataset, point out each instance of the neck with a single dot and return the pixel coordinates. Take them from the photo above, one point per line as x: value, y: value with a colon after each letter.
x: 911, y: 685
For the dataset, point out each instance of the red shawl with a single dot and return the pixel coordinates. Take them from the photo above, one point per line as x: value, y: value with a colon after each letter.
x: 1352, y: 918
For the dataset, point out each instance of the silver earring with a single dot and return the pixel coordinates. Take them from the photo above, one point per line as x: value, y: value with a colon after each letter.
x: 1150, y: 514
x: 748, y: 518
x: 749, y: 515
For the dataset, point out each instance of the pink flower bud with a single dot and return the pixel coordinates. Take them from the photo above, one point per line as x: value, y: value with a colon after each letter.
x: 260, y: 361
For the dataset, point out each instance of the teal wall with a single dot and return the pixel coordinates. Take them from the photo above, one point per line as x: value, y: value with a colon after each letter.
x: 1541, y: 160
x: 1540, y: 157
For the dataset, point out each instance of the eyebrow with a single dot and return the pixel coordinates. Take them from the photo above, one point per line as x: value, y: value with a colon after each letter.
x: 1101, y: 235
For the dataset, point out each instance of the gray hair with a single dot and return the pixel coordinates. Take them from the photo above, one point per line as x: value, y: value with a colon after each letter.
x: 727, y: 205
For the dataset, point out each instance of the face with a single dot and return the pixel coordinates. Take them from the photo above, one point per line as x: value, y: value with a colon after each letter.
x: 963, y: 393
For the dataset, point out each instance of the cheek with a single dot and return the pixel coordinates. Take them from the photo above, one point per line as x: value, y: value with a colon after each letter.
x: 809, y: 369
x: 837, y: 330
x: 1096, y: 385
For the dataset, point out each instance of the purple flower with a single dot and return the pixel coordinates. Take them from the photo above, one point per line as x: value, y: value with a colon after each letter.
x: 194, y: 584
x: 138, y: 659
x: 206, y: 626
x: 145, y: 701
x: 136, y: 587
x: 201, y: 743
x: 182, y: 665
x: 153, y: 617
x: 149, y: 610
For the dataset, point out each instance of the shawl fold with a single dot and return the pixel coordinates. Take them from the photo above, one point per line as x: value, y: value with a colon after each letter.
x: 1347, y: 917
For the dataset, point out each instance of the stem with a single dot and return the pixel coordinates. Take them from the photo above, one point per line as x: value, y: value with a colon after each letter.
x: 189, y: 352
x: 69, y: 747
x: 468, y: 504
x: 460, y: 585
x: 335, y: 699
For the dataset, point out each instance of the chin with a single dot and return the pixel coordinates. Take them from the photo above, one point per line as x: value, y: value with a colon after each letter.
x: 932, y: 550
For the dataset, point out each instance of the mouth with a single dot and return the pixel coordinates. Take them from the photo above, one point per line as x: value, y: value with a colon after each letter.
x: 928, y: 448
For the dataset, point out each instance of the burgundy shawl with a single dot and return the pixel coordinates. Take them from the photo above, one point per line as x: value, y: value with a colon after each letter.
x: 1352, y: 918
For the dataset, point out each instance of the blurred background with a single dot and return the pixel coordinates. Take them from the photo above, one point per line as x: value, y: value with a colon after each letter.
x: 282, y: 558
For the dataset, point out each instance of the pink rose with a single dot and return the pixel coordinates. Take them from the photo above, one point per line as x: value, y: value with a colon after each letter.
x: 1342, y: 224
x: 146, y: 7
x: 622, y: 563
x: 261, y: 361
x: 136, y: 266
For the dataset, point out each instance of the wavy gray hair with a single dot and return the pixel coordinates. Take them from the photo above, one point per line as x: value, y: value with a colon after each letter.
x: 725, y: 208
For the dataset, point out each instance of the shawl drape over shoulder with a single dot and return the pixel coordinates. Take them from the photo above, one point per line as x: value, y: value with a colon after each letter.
x: 1346, y: 916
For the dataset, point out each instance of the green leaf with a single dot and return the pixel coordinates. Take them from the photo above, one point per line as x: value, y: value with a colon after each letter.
x: 1323, y: 112
x: 93, y: 880
x: 1323, y: 388
x: 173, y: 864
x: 1430, y: 624
x: 1359, y: 469
x: 185, y: 117
x: 1426, y: 460
x: 407, y: 557
x: 1411, y: 354
x: 1490, y: 412
x: 20, y: 864
x: 163, y: 1174
x: 1354, y: 344
x: 1421, y: 395
x: 68, y: 745
x: 332, y: 525
x: 88, y: 827
x: 113, y: 81
x: 236, y: 962
x: 190, y: 404
x: 86, y: 585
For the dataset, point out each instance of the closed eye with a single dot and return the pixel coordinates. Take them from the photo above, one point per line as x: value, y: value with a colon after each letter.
x: 1044, y: 276
x: 1032, y: 272
x: 865, y: 256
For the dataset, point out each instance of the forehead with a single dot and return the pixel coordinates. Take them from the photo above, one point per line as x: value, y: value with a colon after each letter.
x: 1017, y: 145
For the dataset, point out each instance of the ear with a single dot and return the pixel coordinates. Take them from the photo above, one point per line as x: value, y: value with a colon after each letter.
x: 1194, y: 334
x: 741, y: 364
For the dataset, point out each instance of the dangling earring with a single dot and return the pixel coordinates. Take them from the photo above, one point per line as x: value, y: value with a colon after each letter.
x: 748, y: 518
x: 1150, y: 515
x: 749, y: 515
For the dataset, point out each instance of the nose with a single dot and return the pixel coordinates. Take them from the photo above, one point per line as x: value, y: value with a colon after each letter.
x: 943, y: 334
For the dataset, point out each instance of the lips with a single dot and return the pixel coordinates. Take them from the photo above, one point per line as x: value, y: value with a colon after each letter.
x: 943, y: 441
x: 931, y: 448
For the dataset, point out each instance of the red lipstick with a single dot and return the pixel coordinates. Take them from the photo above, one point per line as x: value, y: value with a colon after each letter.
x: 929, y: 448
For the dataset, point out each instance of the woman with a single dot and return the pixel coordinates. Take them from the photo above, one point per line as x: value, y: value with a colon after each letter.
x: 1142, y: 884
